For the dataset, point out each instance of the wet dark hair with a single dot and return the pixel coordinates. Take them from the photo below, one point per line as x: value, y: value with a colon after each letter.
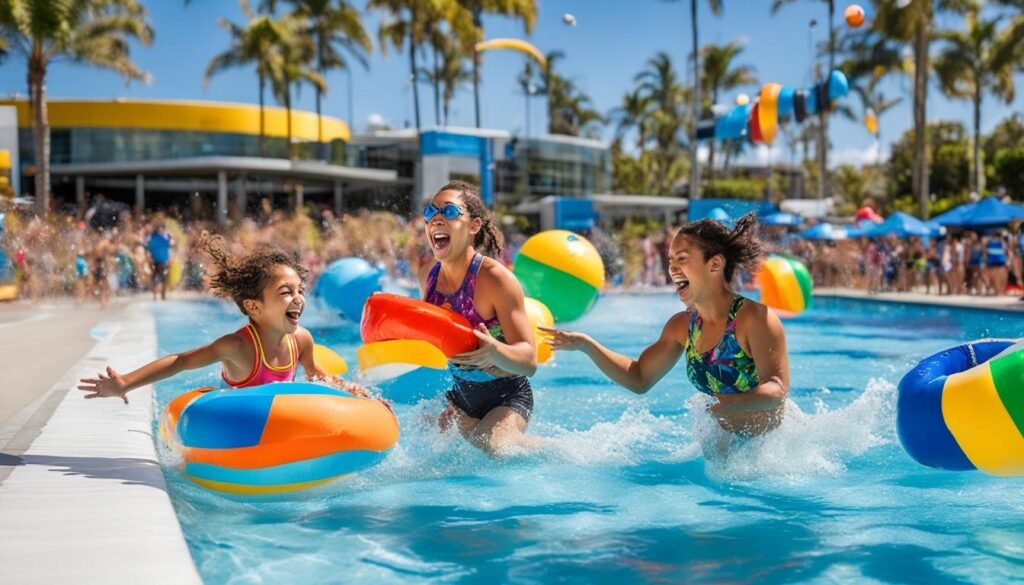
x: 489, y: 240
x: 739, y: 246
x: 243, y: 278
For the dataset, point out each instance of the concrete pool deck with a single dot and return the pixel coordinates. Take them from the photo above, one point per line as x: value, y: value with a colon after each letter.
x: 1000, y: 303
x: 82, y: 495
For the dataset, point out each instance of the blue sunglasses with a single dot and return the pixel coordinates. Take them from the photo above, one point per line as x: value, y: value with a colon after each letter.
x: 450, y: 211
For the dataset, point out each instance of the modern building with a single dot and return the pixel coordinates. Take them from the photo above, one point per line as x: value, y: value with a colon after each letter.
x: 509, y: 169
x: 223, y: 158
x: 194, y: 154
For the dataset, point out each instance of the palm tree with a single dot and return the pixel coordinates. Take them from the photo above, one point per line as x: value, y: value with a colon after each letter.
x: 570, y: 111
x: 524, y: 10
x: 448, y: 74
x: 721, y: 73
x: 255, y: 43
x: 978, y: 59
x: 660, y: 84
x: 633, y: 114
x: 716, y: 9
x: 95, y: 32
x: 406, y: 21
x: 911, y: 23
x: 870, y: 59
x: 296, y: 50
x: 336, y: 31
x: 823, y: 142
x: 452, y: 44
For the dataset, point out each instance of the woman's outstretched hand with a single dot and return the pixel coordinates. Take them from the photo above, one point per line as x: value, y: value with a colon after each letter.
x: 111, y: 385
x: 560, y: 340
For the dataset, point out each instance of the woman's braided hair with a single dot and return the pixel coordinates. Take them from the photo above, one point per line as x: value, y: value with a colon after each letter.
x: 489, y: 240
x: 240, y: 278
x: 739, y: 246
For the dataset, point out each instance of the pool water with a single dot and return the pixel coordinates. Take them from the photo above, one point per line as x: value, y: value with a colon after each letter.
x: 623, y: 492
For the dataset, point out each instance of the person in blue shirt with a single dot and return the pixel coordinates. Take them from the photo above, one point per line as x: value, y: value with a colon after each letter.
x: 158, y: 245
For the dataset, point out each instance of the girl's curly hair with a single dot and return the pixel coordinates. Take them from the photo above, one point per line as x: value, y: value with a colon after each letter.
x: 739, y: 246
x: 244, y: 277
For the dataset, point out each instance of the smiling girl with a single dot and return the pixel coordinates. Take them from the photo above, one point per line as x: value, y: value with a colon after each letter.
x: 491, y: 400
x: 269, y: 288
x: 735, y: 348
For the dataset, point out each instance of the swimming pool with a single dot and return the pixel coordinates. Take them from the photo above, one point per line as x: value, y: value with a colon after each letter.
x: 623, y: 493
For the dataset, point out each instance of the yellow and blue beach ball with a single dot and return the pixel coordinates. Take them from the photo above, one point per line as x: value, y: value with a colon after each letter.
x: 785, y: 284
x: 963, y: 408
x: 562, y: 270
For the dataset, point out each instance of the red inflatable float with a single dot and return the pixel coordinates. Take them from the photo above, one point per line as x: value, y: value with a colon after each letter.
x: 387, y: 317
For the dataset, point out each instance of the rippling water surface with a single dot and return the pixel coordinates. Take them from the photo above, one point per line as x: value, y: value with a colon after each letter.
x: 623, y: 493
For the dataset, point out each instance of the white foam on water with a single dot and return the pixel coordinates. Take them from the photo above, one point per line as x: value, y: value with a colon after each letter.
x: 808, y: 445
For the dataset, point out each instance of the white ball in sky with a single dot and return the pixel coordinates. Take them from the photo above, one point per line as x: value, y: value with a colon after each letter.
x: 569, y: 19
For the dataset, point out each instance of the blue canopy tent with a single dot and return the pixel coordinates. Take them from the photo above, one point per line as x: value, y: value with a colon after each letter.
x: 721, y: 215
x: 781, y: 218
x: 989, y: 212
x: 899, y: 224
x: 827, y: 231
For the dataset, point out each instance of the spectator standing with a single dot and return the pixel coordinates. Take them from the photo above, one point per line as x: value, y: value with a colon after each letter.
x: 159, y: 244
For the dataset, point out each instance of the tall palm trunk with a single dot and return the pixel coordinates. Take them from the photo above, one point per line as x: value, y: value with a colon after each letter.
x: 288, y: 116
x: 711, y: 144
x: 979, y: 171
x: 412, y: 67
x: 920, y: 176
x: 319, y: 94
x: 263, y: 123
x: 40, y: 128
x: 437, y: 88
x: 823, y: 109
x: 695, y: 109
x: 478, y: 24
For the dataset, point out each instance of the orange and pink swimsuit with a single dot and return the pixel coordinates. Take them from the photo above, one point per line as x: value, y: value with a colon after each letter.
x: 262, y: 372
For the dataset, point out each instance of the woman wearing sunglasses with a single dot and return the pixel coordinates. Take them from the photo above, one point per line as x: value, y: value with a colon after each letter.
x: 491, y: 400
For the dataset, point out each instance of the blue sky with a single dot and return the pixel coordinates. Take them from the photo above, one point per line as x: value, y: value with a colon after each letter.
x: 612, y: 41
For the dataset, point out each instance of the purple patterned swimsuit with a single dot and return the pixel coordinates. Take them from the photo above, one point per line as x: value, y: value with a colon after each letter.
x: 477, y: 392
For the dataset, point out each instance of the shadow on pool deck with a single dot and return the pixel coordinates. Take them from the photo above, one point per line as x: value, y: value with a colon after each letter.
x: 130, y: 471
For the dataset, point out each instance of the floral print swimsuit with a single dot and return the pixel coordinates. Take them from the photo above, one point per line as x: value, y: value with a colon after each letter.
x: 726, y: 369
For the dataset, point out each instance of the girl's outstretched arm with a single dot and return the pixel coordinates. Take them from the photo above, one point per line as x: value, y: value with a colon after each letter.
x: 637, y: 375
x: 115, y: 385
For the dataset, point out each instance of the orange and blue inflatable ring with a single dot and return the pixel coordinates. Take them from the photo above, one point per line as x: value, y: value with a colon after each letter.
x: 387, y: 317
x: 963, y: 408
x: 275, y: 438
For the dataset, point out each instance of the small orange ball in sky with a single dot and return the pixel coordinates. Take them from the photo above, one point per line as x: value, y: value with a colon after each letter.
x: 854, y: 15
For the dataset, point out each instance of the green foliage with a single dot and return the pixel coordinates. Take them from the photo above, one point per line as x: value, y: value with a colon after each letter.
x: 749, y: 189
x: 627, y: 174
x: 852, y: 183
x: 1009, y: 170
x: 1009, y: 133
x: 949, y: 152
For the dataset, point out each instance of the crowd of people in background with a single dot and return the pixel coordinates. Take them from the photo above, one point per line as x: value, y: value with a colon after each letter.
x: 964, y: 263
x: 123, y: 253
